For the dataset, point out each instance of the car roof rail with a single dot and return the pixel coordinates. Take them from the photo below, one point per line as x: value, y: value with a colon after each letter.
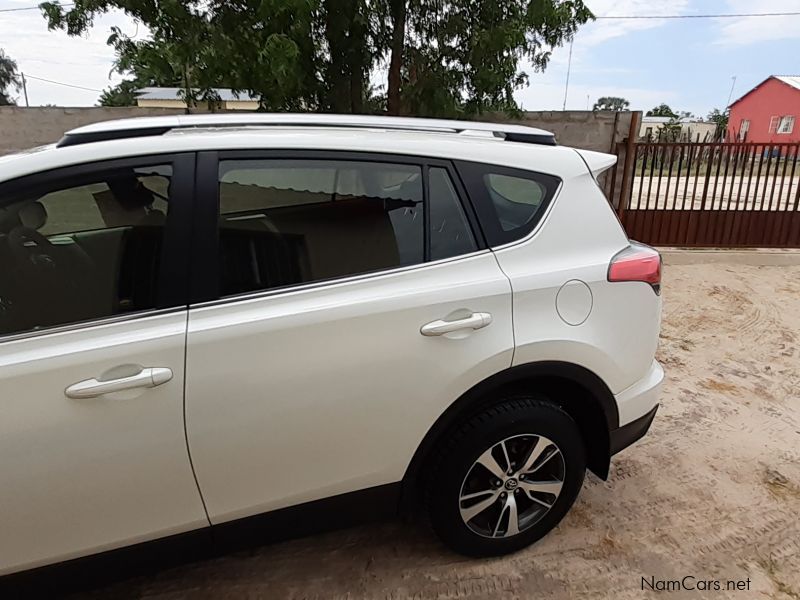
x: 155, y: 126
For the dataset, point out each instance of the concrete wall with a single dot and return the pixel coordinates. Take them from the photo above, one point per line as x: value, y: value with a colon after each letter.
x: 601, y: 131
x: 585, y: 129
x: 22, y: 128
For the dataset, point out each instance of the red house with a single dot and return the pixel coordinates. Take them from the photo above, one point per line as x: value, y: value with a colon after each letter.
x: 769, y: 113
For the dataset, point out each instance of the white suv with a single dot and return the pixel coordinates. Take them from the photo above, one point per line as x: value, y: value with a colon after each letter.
x: 227, y: 322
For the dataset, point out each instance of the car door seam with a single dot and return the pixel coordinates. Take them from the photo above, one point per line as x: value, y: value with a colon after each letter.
x: 185, y: 427
x: 511, y: 289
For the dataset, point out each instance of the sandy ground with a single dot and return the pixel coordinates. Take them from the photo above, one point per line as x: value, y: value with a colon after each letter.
x: 712, y: 492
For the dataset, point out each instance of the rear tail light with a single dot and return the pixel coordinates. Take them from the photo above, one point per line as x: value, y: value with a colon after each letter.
x: 637, y: 263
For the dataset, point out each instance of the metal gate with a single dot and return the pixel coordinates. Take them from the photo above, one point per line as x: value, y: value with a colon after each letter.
x: 710, y: 194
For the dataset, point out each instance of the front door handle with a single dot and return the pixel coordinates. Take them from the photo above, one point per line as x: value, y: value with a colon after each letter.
x: 146, y: 378
x: 440, y: 327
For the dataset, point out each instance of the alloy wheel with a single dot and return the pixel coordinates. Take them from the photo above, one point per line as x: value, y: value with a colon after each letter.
x: 512, y: 485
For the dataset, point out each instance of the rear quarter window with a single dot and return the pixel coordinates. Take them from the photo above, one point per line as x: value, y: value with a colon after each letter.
x: 509, y: 202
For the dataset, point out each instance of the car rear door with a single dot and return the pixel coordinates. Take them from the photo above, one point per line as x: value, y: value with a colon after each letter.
x: 343, y: 302
x: 93, y: 264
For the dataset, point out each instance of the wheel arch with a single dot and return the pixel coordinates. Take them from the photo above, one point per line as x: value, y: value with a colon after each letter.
x: 576, y: 389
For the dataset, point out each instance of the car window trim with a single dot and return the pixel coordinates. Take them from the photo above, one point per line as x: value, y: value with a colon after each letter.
x: 468, y: 210
x: 426, y: 215
x: 205, y: 278
x: 173, y: 288
x: 334, y: 281
x: 90, y: 323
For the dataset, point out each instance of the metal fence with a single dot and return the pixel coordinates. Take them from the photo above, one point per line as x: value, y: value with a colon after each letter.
x: 711, y: 194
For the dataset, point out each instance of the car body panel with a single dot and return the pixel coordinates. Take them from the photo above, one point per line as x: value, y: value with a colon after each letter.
x: 290, y: 396
x: 641, y: 397
x: 575, y: 242
x: 309, y: 393
x: 82, y: 476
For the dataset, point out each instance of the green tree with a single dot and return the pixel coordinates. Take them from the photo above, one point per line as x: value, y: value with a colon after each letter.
x: 463, y: 56
x: 611, y: 103
x: 122, y: 94
x: 670, y: 131
x: 721, y: 120
x: 9, y: 79
x: 179, y: 52
x: 662, y: 110
x: 267, y: 47
x: 273, y: 49
x: 444, y: 56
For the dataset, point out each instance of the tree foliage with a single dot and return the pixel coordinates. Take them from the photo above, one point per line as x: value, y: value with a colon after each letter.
x: 9, y: 79
x: 670, y: 131
x: 662, y: 110
x: 614, y: 103
x: 122, y: 94
x: 464, y: 56
x: 721, y: 120
x: 444, y: 57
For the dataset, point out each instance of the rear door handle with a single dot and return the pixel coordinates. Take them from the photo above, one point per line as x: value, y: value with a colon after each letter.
x: 440, y: 327
x: 146, y: 378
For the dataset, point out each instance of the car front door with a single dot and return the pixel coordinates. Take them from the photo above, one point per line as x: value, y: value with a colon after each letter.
x: 345, y: 301
x: 92, y: 338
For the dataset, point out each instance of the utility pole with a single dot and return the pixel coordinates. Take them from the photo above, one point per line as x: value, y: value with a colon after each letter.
x: 569, y: 66
x: 25, y: 89
x: 731, y: 94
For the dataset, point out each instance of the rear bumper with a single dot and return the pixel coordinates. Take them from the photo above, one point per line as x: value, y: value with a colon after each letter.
x: 640, y: 398
x: 637, y: 408
x: 626, y: 435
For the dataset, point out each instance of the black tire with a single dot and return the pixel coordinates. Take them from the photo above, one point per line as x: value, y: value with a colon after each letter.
x: 509, y: 420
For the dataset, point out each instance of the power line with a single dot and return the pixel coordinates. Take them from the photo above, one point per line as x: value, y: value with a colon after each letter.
x: 31, y: 8
x: 77, y: 87
x: 706, y: 16
x: 717, y: 16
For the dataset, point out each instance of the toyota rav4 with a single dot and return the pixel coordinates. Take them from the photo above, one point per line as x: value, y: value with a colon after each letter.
x: 223, y: 321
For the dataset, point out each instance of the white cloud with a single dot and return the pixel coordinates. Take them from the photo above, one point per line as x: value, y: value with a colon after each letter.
x: 549, y: 95
x: 749, y: 30
x: 601, y: 30
x: 546, y: 91
x: 82, y: 61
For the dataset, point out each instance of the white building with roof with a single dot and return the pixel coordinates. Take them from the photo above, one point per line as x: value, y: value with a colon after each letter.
x: 172, y: 97
x: 691, y: 128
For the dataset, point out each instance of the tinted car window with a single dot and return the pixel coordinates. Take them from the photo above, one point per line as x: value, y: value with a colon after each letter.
x: 81, y: 250
x: 515, y: 199
x: 285, y: 222
x: 509, y: 202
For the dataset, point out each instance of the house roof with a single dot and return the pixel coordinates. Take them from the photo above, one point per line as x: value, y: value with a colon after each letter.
x: 790, y: 80
x: 173, y: 93
x: 685, y: 120
x: 655, y: 119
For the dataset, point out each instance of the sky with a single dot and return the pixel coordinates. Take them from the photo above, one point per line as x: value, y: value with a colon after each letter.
x: 687, y: 63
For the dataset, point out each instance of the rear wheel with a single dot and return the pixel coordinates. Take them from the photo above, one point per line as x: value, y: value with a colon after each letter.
x: 506, y: 477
